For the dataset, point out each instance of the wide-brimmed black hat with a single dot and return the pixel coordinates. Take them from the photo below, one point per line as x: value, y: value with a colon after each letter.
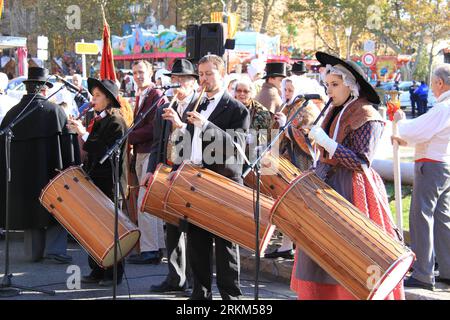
x: 299, y: 67
x: 275, y: 69
x: 182, y: 67
x: 108, y: 87
x: 366, y: 88
x: 39, y: 75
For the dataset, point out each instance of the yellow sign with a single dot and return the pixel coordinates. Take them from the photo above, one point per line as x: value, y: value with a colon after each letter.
x: 86, y: 48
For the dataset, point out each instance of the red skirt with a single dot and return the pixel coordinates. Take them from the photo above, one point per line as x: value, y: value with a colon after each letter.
x: 365, y: 200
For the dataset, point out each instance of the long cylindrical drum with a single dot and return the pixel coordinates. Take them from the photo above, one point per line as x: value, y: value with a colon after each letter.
x: 343, y: 241
x: 88, y: 215
x: 154, y: 200
x: 219, y: 205
x: 276, y: 175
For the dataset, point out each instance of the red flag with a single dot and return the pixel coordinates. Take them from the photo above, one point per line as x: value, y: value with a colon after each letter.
x: 107, y: 70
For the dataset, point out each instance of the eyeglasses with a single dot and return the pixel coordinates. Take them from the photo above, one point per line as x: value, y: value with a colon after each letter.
x: 242, y: 91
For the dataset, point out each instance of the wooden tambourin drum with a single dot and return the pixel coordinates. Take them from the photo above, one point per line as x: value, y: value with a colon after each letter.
x: 276, y: 175
x: 154, y: 198
x: 88, y: 215
x: 342, y: 240
x: 219, y: 205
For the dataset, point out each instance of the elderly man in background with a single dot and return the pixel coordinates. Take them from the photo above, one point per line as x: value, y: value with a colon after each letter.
x: 270, y: 94
x: 83, y: 95
x: 260, y: 117
x: 429, y: 220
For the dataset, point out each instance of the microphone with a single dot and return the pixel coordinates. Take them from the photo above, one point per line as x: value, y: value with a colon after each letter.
x: 85, y: 108
x: 167, y: 87
x: 308, y: 96
x: 68, y: 84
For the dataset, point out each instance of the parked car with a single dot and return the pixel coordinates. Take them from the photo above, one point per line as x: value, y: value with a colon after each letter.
x: 404, y: 98
x: 16, y: 87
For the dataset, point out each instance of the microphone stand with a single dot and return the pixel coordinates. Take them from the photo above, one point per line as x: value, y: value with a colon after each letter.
x: 7, y: 289
x: 256, y: 167
x: 114, y: 155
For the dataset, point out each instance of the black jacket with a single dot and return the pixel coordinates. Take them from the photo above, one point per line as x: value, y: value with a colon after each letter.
x: 105, y: 133
x: 217, y: 144
x: 41, y: 145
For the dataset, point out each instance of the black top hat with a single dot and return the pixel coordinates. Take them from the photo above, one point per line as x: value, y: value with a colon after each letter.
x: 299, y: 67
x: 182, y: 67
x: 39, y: 75
x: 108, y: 87
x: 366, y: 88
x: 275, y: 69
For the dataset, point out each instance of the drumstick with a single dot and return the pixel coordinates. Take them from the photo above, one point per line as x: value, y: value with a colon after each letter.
x: 199, y: 99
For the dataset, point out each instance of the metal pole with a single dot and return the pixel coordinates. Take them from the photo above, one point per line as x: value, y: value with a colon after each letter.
x: 83, y: 61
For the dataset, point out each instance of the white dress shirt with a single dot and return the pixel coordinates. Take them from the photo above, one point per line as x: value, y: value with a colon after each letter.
x: 183, y: 104
x: 197, y: 150
x: 142, y: 94
x: 196, y: 147
x: 430, y: 132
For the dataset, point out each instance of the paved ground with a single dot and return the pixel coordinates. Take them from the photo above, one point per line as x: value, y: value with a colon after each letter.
x: 280, y: 270
x: 273, y: 280
x: 49, y: 276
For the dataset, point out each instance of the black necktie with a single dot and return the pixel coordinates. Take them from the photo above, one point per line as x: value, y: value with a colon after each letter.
x: 204, y: 105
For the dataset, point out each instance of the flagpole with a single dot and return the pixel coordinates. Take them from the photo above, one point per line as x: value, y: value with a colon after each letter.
x: 103, y: 13
x: 115, y: 161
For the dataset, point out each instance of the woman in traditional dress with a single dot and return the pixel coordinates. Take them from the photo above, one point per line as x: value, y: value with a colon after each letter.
x: 347, y: 139
x: 103, y: 130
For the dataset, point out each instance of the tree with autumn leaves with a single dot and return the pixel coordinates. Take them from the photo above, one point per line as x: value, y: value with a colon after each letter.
x: 399, y: 27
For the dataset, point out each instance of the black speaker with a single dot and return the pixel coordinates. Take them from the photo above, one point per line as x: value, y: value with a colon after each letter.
x: 212, y: 39
x: 193, y: 42
x: 230, y: 44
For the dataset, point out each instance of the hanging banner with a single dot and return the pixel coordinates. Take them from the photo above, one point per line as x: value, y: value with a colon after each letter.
x: 217, y: 17
x: 143, y: 41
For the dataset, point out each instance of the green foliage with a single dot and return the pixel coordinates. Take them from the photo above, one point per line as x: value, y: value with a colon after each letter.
x: 421, y: 72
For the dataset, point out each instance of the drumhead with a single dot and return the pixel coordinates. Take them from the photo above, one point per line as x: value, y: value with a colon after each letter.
x: 126, y: 244
x: 57, y: 177
x: 392, y: 277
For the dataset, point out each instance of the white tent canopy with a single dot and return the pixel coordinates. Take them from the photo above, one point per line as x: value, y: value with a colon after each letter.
x: 12, y: 42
